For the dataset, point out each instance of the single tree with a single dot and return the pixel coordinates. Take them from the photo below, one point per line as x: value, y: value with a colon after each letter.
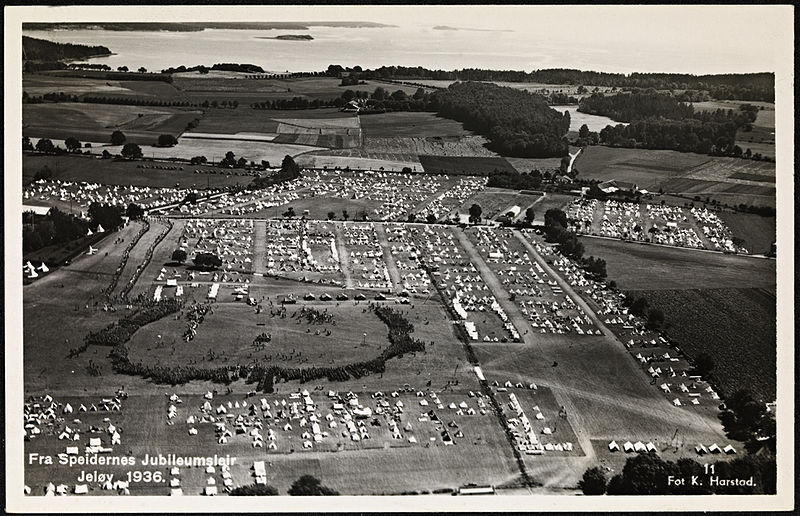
x: 134, y: 211
x: 593, y: 482
x: 72, y: 144
x: 117, y: 138
x: 179, y: 255
x: 45, y: 145
x: 26, y: 143
x: 308, y: 485
x: 583, y: 132
x: 167, y: 140
x: 530, y: 214
x: 345, y: 215
x: 431, y: 218
x: 331, y: 215
x: 207, y: 261
x: 475, y: 212
x: 131, y: 151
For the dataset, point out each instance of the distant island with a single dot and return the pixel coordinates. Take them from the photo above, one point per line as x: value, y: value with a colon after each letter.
x: 289, y: 37
x: 199, y: 26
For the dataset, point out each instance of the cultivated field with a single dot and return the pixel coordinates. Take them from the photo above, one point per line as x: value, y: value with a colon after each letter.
x: 647, y: 168
x: 736, y: 326
x: 453, y: 165
x: 96, y: 122
x: 410, y: 125
x: 36, y: 84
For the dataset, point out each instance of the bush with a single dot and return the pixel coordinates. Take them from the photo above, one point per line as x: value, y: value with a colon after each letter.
x: 254, y: 490
x: 308, y: 485
x: 593, y: 482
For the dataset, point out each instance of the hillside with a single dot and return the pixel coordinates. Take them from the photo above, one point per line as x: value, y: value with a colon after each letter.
x: 42, y: 50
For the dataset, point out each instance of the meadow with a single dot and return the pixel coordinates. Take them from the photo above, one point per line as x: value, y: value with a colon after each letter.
x: 96, y: 122
x: 90, y: 169
x: 410, y: 125
x: 651, y: 267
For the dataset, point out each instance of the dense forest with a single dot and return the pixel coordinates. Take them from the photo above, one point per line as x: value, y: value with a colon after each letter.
x: 661, y: 121
x: 42, y: 50
x: 753, y: 86
x: 516, y: 122
x: 628, y: 107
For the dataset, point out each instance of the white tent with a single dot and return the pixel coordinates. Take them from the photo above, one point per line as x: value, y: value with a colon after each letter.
x: 613, y: 446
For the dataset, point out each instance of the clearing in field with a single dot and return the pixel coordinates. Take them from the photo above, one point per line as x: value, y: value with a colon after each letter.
x: 453, y: 165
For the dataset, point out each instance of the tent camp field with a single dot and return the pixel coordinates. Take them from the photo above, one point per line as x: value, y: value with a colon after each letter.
x: 736, y: 326
x: 112, y: 172
x: 96, y: 122
x: 351, y: 467
x: 650, y: 267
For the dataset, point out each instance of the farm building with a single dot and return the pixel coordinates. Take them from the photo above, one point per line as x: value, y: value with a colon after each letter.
x: 612, y: 185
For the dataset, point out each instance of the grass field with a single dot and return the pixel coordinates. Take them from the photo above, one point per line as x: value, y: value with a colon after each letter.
x: 234, y: 85
x: 453, y: 165
x: 93, y: 170
x: 757, y: 232
x: 494, y: 201
x: 244, y: 119
x: 649, y: 267
x: 231, y: 327
x: 96, y: 122
x: 369, y: 161
x: 215, y: 150
x: 736, y: 326
x: 647, y: 168
x: 416, y: 125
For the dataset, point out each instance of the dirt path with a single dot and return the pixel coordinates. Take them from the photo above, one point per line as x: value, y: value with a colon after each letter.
x: 394, y: 274
x: 523, y: 327
x: 521, y: 215
x: 344, y: 257
x: 565, y: 286
x: 260, y: 246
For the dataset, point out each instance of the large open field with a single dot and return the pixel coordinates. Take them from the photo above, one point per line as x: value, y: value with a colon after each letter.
x: 736, y: 326
x: 90, y: 169
x: 650, y: 267
x: 453, y: 165
x: 416, y: 125
x: 96, y: 122
x: 234, y: 86
x: 728, y: 180
x: 757, y: 232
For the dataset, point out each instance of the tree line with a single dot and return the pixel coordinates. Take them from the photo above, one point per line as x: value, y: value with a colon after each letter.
x: 555, y: 230
x: 661, y: 121
x: 751, y: 86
